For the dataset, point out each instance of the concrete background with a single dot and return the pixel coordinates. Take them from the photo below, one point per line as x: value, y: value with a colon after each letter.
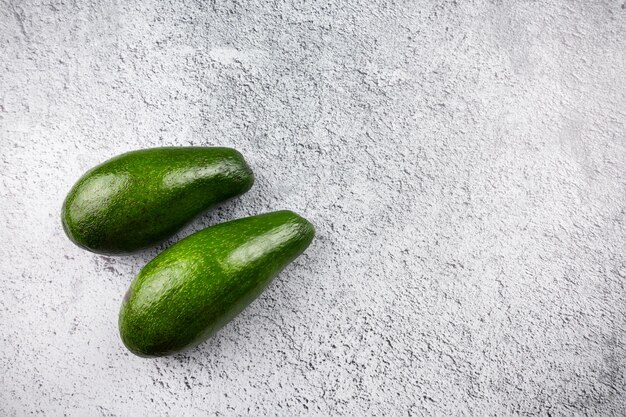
x: 464, y: 163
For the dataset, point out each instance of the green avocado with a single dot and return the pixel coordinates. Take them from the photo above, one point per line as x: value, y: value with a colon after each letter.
x: 199, y: 284
x: 140, y: 198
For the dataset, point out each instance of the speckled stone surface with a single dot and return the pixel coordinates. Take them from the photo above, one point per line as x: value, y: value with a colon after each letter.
x: 464, y: 164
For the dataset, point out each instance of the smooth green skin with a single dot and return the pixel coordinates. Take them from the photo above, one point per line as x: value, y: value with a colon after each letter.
x: 143, y: 197
x: 192, y: 289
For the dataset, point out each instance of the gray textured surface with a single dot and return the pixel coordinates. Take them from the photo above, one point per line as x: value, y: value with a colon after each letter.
x: 464, y: 163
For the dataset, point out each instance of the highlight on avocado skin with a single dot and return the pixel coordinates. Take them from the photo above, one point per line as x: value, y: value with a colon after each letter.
x: 140, y: 198
x: 192, y: 289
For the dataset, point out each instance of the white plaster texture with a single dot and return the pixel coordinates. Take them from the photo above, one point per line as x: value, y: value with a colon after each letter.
x: 464, y: 163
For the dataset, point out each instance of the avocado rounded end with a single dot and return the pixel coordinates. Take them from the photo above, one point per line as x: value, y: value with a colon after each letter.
x: 132, y: 335
x: 306, y: 228
x: 244, y: 173
x: 70, y: 227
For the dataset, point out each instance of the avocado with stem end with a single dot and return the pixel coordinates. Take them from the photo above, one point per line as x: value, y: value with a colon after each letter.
x: 143, y: 197
x: 192, y: 289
